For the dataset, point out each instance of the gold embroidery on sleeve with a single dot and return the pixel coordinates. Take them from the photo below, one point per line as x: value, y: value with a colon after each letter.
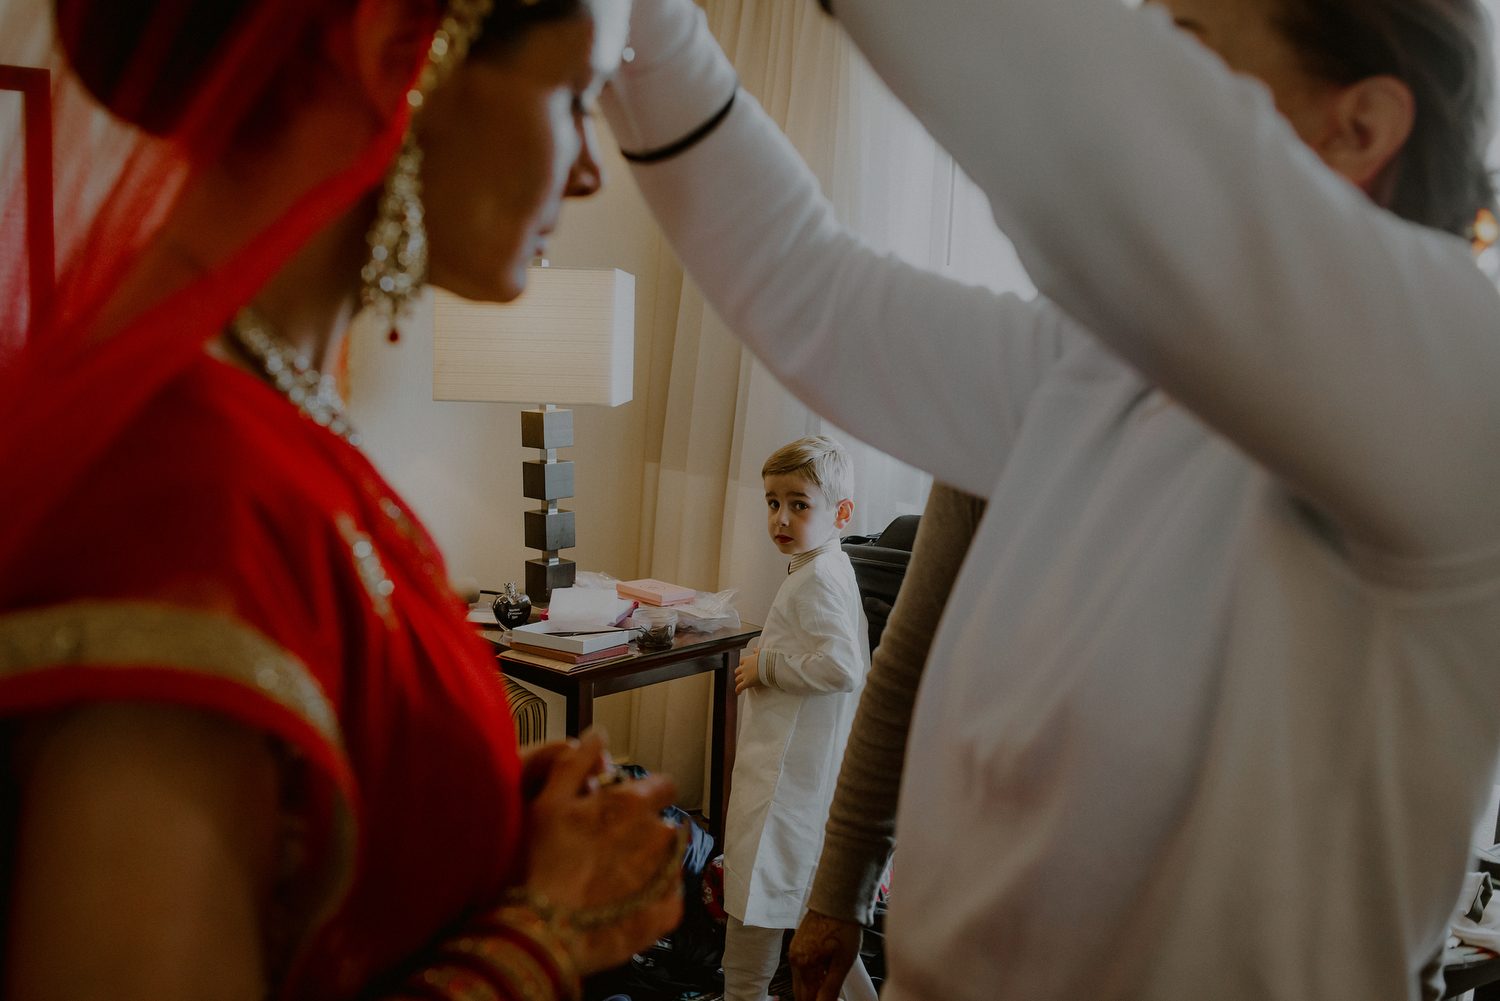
x: 144, y: 634
x: 126, y: 634
x: 367, y: 564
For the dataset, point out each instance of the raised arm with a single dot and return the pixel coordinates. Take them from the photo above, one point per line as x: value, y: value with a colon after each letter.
x: 1164, y: 203
x: 931, y: 371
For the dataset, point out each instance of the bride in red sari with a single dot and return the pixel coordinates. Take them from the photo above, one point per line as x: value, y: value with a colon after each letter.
x: 254, y: 749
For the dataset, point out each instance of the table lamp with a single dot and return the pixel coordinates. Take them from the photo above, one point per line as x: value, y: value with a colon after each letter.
x: 569, y: 339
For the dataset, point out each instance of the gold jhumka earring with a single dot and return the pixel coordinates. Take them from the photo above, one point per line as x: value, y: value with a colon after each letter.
x: 397, y: 268
x: 398, y: 245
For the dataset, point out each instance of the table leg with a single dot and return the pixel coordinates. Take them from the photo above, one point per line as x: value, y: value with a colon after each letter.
x: 580, y: 709
x: 726, y: 736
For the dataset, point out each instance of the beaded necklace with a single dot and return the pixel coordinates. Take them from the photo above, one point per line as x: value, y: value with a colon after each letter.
x: 291, y: 374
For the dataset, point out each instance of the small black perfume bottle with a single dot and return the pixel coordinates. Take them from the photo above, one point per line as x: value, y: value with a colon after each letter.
x: 511, y: 607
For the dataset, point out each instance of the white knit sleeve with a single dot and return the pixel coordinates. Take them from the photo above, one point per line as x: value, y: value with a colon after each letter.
x: 931, y: 371
x: 1164, y: 203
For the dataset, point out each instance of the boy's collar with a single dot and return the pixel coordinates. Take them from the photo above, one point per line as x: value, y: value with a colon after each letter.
x: 803, y: 559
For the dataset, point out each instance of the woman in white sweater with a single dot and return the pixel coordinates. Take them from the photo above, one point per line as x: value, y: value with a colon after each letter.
x: 1217, y: 694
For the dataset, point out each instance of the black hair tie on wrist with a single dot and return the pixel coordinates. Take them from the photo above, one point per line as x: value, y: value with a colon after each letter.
x: 688, y: 141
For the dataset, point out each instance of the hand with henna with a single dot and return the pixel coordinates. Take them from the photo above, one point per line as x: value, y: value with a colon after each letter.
x: 822, y: 953
x: 591, y: 846
x: 536, y: 765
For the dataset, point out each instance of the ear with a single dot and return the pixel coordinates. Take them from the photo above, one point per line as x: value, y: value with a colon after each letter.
x: 1370, y: 123
x: 843, y: 513
x: 384, y: 45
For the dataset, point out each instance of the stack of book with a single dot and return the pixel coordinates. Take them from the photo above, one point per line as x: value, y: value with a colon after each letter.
x: 577, y: 648
x: 655, y: 592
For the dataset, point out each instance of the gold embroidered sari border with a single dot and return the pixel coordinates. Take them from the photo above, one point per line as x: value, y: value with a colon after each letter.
x: 139, y: 634
x: 94, y: 633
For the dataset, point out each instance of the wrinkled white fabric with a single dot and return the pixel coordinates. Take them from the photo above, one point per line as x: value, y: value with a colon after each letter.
x: 1485, y: 932
x: 814, y: 655
x: 1211, y: 712
x: 751, y: 956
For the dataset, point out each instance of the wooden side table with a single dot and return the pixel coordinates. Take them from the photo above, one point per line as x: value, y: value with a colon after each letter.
x: 691, y: 653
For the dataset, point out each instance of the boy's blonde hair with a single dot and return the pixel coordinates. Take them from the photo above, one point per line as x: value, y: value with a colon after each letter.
x: 820, y: 461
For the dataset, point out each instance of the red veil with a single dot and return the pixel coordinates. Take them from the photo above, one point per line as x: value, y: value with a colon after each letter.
x: 65, y: 393
x: 377, y: 684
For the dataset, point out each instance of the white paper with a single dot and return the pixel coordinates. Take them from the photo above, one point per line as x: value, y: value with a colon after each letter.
x: 584, y: 608
x: 484, y: 616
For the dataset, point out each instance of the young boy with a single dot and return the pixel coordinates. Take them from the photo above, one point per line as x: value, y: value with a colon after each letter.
x: 798, y: 693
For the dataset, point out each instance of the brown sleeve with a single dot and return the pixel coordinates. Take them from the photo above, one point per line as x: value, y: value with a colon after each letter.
x: 862, y: 821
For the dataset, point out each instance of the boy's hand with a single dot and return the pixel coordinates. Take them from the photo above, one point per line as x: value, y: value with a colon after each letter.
x: 747, y: 675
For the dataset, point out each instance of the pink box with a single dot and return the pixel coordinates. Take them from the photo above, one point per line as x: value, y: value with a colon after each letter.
x: 655, y: 592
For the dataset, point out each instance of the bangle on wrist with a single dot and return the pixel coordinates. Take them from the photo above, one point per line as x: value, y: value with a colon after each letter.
x: 515, y: 952
x: 523, y: 949
x: 526, y: 948
x: 688, y: 141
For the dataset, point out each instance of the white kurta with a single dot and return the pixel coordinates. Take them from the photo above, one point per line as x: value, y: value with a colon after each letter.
x: 1216, y: 700
x: 815, y: 653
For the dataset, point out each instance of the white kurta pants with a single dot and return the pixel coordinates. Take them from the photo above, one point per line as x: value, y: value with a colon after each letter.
x: 752, y: 954
x: 792, y: 733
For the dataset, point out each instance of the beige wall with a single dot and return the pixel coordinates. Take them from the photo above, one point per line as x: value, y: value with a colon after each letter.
x: 459, y: 464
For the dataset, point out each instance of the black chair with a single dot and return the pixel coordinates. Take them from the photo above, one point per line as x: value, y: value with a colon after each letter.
x: 879, y: 568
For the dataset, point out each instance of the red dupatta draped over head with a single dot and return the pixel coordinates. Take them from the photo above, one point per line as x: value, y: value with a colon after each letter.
x: 200, y: 80
x: 258, y: 563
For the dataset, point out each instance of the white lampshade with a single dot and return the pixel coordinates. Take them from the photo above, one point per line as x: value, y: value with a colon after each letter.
x: 569, y: 339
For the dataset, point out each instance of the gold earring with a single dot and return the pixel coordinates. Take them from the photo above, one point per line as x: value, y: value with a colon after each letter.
x: 397, y: 267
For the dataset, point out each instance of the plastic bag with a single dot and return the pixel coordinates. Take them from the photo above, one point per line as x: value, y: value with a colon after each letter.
x: 709, y: 613
x: 595, y: 579
x: 706, y: 613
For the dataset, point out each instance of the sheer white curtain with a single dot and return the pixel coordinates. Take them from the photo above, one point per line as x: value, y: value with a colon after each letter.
x: 719, y: 411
